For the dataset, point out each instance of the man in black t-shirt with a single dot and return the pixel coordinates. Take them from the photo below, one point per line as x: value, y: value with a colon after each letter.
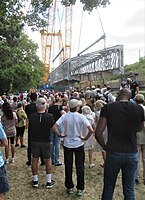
x: 40, y: 125
x: 30, y: 109
x: 134, y: 87
x: 123, y: 120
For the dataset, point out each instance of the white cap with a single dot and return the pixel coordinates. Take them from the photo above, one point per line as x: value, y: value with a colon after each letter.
x: 74, y: 103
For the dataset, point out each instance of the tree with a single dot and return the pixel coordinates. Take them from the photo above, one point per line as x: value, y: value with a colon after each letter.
x: 28, y: 69
x: 20, y: 67
x: 89, y: 5
x: 37, y: 13
x: 11, y: 20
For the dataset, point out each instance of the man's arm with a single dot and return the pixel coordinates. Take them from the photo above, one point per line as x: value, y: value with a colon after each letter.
x: 140, y: 128
x: 62, y: 112
x: 4, y: 142
x: 55, y: 129
x: 91, y: 130
x: 3, y: 139
x: 137, y: 89
x: 99, y: 131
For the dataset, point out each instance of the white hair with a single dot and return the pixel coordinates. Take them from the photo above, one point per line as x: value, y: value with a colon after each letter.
x: 86, y: 110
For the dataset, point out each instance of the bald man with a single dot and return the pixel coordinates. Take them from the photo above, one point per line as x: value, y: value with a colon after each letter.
x: 123, y: 120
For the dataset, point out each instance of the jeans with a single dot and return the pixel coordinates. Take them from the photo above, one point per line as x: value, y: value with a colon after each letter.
x: 141, y: 153
x: 55, y: 150
x: 4, y: 185
x: 79, y: 163
x: 127, y: 163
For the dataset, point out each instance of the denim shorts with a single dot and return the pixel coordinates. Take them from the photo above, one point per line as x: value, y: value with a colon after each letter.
x: 4, y: 185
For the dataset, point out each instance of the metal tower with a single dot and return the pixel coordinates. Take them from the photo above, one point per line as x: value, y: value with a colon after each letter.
x: 47, y: 38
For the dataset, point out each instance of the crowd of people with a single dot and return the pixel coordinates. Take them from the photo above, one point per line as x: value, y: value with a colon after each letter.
x: 76, y: 118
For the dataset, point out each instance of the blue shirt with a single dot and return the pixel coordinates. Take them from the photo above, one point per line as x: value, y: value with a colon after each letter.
x: 2, y: 136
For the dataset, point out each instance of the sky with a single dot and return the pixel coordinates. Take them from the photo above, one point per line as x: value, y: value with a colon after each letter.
x: 123, y: 22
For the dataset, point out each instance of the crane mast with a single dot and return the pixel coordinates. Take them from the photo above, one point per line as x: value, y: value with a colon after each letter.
x: 68, y: 31
x: 47, y: 38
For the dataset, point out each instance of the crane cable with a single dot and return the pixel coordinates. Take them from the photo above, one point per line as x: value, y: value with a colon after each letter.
x: 102, y: 28
x: 100, y: 21
x: 53, y: 39
x: 80, y: 31
x: 60, y: 20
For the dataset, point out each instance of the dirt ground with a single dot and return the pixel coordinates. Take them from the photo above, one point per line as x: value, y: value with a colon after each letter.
x: 20, y: 178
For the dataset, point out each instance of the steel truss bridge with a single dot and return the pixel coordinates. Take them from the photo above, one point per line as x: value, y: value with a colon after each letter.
x: 77, y: 68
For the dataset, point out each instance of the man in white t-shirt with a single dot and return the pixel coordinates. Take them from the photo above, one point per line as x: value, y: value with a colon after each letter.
x: 73, y: 124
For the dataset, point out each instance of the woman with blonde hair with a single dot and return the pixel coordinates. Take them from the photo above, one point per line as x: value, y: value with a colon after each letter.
x: 83, y: 104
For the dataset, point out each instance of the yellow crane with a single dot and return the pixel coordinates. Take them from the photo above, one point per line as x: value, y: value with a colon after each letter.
x: 48, y: 34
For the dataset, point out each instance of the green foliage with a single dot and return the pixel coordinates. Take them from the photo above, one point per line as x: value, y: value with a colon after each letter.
x: 68, y: 2
x: 20, y: 67
x: 37, y: 14
x: 89, y: 5
x: 138, y: 67
x: 11, y: 21
x: 29, y: 68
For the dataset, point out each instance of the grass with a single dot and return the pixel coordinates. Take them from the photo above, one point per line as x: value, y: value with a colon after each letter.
x: 20, y: 178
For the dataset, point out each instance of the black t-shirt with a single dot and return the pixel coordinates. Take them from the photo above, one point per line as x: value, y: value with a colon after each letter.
x: 55, y: 110
x: 123, y: 121
x: 30, y: 109
x: 40, y: 125
x: 133, y: 87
